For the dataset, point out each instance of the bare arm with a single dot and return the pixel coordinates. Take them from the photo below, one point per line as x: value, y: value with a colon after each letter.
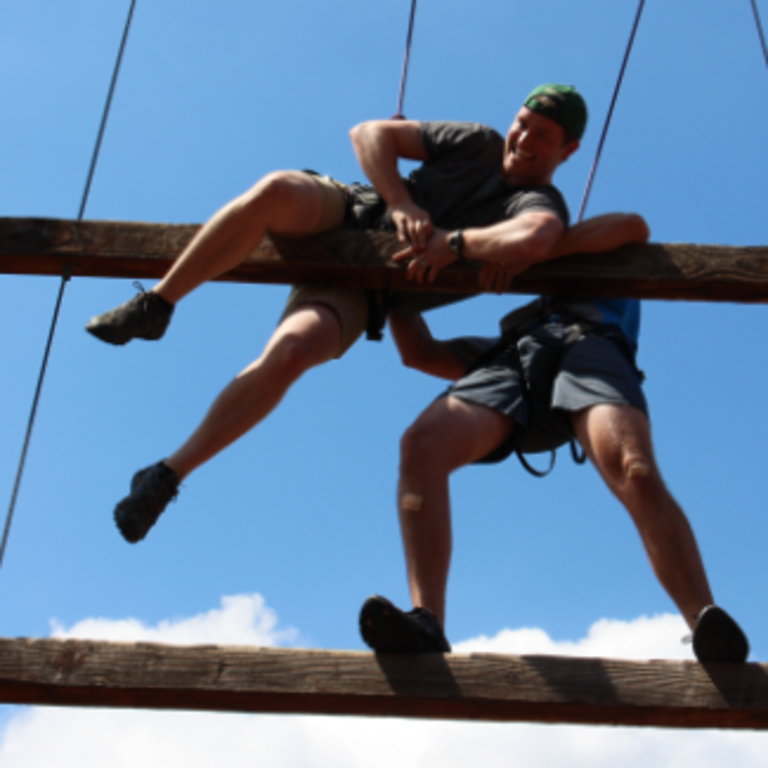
x: 419, y: 350
x: 603, y: 233
x: 522, y: 241
x: 378, y: 145
x: 517, y: 243
x: 597, y: 235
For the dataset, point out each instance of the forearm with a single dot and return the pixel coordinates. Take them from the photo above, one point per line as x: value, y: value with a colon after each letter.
x: 603, y: 233
x: 522, y: 241
x: 511, y: 246
x: 420, y: 350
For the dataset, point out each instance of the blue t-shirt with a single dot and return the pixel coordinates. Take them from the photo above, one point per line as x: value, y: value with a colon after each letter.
x: 624, y: 313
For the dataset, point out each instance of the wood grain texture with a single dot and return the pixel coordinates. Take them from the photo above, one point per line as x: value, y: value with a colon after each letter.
x: 362, y: 259
x: 546, y: 689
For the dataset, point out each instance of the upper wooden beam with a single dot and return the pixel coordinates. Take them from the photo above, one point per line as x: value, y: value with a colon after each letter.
x: 362, y: 259
x: 545, y: 689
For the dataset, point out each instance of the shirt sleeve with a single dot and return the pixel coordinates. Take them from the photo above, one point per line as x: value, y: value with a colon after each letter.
x: 541, y: 199
x: 441, y: 137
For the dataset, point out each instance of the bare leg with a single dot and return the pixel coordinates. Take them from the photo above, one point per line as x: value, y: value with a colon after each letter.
x: 287, y: 202
x: 448, y: 435
x: 618, y: 441
x: 308, y: 337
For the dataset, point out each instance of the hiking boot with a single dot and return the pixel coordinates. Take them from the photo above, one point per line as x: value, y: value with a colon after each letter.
x: 717, y: 637
x: 145, y: 316
x: 387, y: 629
x: 151, y: 491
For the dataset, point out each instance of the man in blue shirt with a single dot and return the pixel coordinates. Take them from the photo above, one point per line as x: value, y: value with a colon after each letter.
x: 562, y: 369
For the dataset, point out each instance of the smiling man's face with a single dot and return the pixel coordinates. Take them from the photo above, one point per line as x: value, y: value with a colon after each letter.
x: 534, y: 147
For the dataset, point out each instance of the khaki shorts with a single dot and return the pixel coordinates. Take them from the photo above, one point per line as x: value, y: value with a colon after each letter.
x: 349, y: 304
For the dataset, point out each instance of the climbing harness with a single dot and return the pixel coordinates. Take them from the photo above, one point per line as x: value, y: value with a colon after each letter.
x: 67, y: 274
x: 573, y: 327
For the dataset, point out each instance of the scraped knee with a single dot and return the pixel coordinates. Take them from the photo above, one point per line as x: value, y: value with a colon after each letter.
x: 636, y: 468
x: 411, y: 502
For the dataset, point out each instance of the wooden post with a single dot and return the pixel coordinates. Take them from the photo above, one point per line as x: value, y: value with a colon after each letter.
x: 543, y: 689
x: 362, y: 259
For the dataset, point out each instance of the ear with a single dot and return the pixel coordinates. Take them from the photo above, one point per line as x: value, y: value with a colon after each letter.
x: 569, y: 149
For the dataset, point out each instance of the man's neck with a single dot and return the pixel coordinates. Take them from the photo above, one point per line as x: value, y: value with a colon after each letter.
x: 515, y: 180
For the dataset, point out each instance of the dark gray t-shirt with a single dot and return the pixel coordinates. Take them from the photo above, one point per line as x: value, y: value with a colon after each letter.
x: 460, y: 185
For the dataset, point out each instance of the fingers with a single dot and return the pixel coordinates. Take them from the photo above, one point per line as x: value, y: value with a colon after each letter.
x: 414, y: 226
x: 406, y: 253
x: 422, y: 267
x: 402, y: 230
x: 417, y: 269
x: 416, y: 232
x: 429, y: 260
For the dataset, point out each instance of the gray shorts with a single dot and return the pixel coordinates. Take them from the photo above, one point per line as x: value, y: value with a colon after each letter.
x: 565, y: 372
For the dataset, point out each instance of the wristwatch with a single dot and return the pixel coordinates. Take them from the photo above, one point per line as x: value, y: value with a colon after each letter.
x: 456, y: 243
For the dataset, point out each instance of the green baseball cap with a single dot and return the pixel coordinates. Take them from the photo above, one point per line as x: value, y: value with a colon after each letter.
x: 561, y: 103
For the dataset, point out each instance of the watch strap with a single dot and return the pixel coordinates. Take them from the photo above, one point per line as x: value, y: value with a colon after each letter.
x: 456, y: 243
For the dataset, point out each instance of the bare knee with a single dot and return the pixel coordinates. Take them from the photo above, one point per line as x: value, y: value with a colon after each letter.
x: 636, y: 468
x: 423, y: 448
x: 633, y: 472
x: 619, y: 442
x: 414, y: 445
x: 410, y: 503
x: 274, y: 188
x: 292, y: 354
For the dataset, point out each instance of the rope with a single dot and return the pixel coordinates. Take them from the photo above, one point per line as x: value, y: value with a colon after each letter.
x: 599, y: 152
x: 406, y: 59
x: 64, y: 280
x: 105, y: 114
x: 760, y: 30
x: 30, y: 423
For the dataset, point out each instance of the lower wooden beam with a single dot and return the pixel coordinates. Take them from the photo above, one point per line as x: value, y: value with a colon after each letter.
x: 362, y: 259
x: 544, y: 689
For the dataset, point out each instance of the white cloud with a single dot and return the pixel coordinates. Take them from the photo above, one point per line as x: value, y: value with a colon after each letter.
x: 69, y: 738
x: 241, y: 620
x: 657, y: 637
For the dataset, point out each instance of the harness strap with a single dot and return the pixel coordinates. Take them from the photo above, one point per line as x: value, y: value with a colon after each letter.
x: 377, y: 314
x: 537, y: 472
x: 578, y: 458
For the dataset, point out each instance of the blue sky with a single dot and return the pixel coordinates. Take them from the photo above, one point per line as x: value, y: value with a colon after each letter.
x: 301, y: 511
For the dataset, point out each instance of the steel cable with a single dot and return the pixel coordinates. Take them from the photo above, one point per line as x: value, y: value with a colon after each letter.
x: 608, y: 118
x: 760, y: 30
x: 406, y: 60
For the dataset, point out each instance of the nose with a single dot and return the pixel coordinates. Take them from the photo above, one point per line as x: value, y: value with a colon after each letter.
x: 525, y: 140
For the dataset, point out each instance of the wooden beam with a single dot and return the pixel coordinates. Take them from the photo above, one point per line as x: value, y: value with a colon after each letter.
x: 545, y: 689
x: 136, y: 250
